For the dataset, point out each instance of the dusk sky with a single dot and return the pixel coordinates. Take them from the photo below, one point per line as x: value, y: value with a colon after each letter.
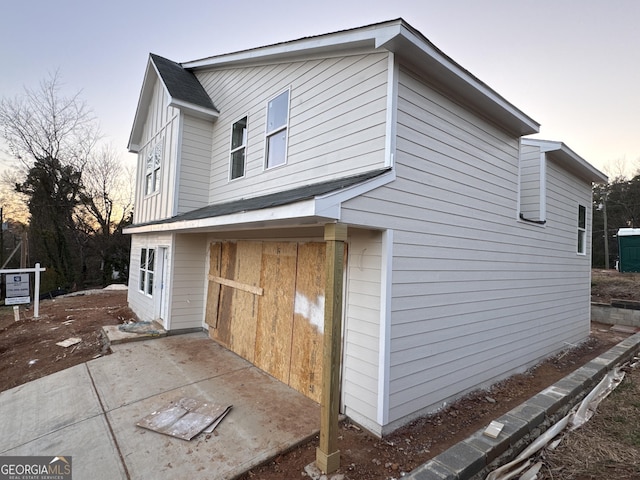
x: 573, y: 66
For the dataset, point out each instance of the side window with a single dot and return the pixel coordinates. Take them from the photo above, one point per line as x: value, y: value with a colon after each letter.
x: 147, y: 267
x: 582, y: 230
x: 152, y: 174
x: 238, y: 148
x: 277, y: 125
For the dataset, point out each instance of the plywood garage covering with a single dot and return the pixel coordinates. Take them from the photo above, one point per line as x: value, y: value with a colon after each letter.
x: 266, y: 303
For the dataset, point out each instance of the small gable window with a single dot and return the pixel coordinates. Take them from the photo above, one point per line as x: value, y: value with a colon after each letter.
x: 152, y: 173
x: 582, y: 230
x: 238, y: 148
x: 277, y: 125
x: 147, y: 267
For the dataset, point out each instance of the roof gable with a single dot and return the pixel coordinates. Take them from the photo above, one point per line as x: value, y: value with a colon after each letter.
x: 182, y: 87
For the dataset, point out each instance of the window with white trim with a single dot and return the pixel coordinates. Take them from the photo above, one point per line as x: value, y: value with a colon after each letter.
x: 147, y: 268
x: 152, y: 174
x: 582, y: 230
x: 277, y: 126
x: 238, y: 148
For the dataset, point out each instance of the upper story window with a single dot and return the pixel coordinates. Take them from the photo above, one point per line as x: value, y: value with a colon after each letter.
x: 582, y: 229
x: 147, y: 268
x: 238, y: 148
x: 152, y: 172
x: 277, y: 125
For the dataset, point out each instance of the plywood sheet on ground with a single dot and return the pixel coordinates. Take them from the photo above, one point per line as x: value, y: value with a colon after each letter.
x: 184, y: 418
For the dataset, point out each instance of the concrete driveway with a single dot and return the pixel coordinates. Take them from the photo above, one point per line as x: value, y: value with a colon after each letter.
x: 89, y: 412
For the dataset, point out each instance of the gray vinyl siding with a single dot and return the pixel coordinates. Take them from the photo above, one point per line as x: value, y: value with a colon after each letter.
x: 362, y: 328
x: 530, y: 183
x: 195, y: 164
x: 188, y: 281
x: 161, y: 125
x: 336, y: 122
x: 476, y: 294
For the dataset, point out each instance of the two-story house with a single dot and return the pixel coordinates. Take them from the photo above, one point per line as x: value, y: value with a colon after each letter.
x: 467, y: 246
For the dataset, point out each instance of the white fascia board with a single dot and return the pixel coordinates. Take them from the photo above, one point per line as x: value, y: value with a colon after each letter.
x: 295, y: 210
x: 143, y: 106
x: 324, y: 207
x: 330, y: 205
x: 371, y: 36
x: 569, y: 156
x: 454, y: 69
x: 195, y: 110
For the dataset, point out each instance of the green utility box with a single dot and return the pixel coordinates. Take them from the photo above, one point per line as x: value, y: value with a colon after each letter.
x: 629, y: 249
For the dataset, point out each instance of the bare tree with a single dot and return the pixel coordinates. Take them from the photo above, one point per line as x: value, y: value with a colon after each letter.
x: 51, y: 136
x: 107, y: 203
x: 44, y: 124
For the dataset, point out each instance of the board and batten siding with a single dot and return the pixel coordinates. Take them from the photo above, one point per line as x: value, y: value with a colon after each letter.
x: 162, y: 125
x: 476, y: 294
x: 146, y: 307
x: 188, y: 281
x: 336, y: 121
x: 195, y: 164
x: 362, y: 328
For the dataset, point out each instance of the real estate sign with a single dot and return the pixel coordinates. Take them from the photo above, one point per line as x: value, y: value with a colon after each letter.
x: 17, y: 288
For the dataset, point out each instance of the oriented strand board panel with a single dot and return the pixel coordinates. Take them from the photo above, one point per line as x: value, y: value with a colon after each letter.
x: 275, y: 312
x: 213, y: 289
x: 308, y: 320
x: 225, y: 307
x: 244, y: 305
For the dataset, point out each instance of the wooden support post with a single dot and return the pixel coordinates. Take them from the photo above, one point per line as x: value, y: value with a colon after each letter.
x: 327, y: 454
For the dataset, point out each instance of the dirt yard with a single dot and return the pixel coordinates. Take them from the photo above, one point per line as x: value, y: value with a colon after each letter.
x: 28, y: 347
x: 28, y: 351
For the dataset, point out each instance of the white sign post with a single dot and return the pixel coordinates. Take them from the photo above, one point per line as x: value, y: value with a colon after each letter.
x: 18, y: 287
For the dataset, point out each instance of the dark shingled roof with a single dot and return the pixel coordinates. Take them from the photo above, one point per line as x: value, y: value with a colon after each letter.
x: 181, y: 83
x: 277, y: 199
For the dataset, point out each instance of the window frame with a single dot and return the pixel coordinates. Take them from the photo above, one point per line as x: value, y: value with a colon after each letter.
x: 240, y: 148
x: 271, y: 133
x: 153, y: 168
x: 582, y: 230
x: 146, y: 271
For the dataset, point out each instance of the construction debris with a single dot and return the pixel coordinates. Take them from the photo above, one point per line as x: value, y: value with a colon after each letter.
x: 139, y: 327
x: 69, y: 341
x: 580, y: 414
x: 185, y: 418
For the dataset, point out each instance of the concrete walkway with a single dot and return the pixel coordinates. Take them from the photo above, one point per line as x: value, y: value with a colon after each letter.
x: 89, y: 412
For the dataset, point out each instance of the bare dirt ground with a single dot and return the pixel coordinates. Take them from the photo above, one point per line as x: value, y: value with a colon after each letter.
x: 28, y: 351
x: 28, y: 347
x: 607, y: 285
